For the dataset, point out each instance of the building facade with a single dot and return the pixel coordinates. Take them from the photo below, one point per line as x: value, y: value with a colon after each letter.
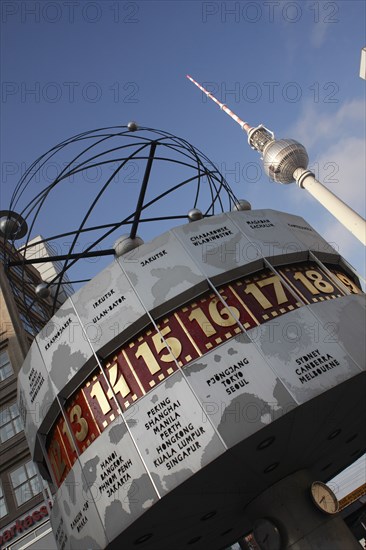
x: 24, y: 508
x: 37, y: 248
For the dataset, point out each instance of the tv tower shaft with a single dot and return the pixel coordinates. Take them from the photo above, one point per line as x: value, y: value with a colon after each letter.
x: 286, y: 161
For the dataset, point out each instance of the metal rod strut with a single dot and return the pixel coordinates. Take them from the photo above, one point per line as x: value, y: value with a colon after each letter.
x: 80, y: 255
x: 143, y: 191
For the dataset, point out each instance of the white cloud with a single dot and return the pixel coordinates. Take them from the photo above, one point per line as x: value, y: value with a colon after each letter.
x: 318, y: 32
x: 323, y: 19
x: 348, y: 246
x: 315, y: 124
x: 342, y: 169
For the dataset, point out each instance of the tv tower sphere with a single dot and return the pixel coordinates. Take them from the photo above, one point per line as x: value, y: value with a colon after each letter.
x: 282, y: 157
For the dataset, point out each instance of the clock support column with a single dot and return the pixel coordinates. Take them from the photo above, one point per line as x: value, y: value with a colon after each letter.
x: 295, y: 522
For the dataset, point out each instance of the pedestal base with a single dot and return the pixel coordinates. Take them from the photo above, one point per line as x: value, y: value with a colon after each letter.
x: 300, y: 524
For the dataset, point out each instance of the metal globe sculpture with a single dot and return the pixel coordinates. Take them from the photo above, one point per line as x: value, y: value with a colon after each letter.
x: 194, y: 215
x: 242, y: 204
x: 8, y: 227
x: 12, y: 225
x: 114, y: 177
x: 42, y: 290
x: 125, y: 244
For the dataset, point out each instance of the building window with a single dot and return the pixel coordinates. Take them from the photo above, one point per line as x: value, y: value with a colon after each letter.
x: 25, y: 482
x: 10, y: 422
x: 27, y: 325
x: 21, y: 273
x: 6, y: 369
x: 3, y: 508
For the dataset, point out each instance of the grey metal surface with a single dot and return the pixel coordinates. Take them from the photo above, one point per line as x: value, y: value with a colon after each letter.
x: 64, y: 346
x: 304, y: 354
x: 75, y: 520
x: 115, y: 474
x: 109, y: 308
x: 311, y: 239
x: 345, y: 321
x: 217, y: 246
x: 267, y: 233
x: 239, y: 391
x: 162, y: 272
x: 36, y: 393
x: 173, y: 433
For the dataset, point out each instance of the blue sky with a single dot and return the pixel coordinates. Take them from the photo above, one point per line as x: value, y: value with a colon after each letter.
x: 293, y: 66
x: 290, y: 65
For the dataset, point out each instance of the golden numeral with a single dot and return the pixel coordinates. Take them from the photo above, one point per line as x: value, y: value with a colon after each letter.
x: 66, y: 431
x: 145, y: 352
x: 98, y: 392
x: 119, y: 385
x: 75, y: 413
x: 223, y: 318
x: 277, y: 286
x: 173, y: 344
x: 258, y: 295
x: 174, y: 351
x: 319, y: 284
x: 198, y: 315
x: 83, y: 424
x: 299, y: 276
x: 348, y: 283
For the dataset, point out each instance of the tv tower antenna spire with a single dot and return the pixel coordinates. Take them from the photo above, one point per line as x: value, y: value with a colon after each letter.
x: 286, y: 161
x: 244, y: 125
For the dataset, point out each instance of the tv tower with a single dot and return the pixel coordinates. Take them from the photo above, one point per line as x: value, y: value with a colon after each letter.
x: 286, y: 161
